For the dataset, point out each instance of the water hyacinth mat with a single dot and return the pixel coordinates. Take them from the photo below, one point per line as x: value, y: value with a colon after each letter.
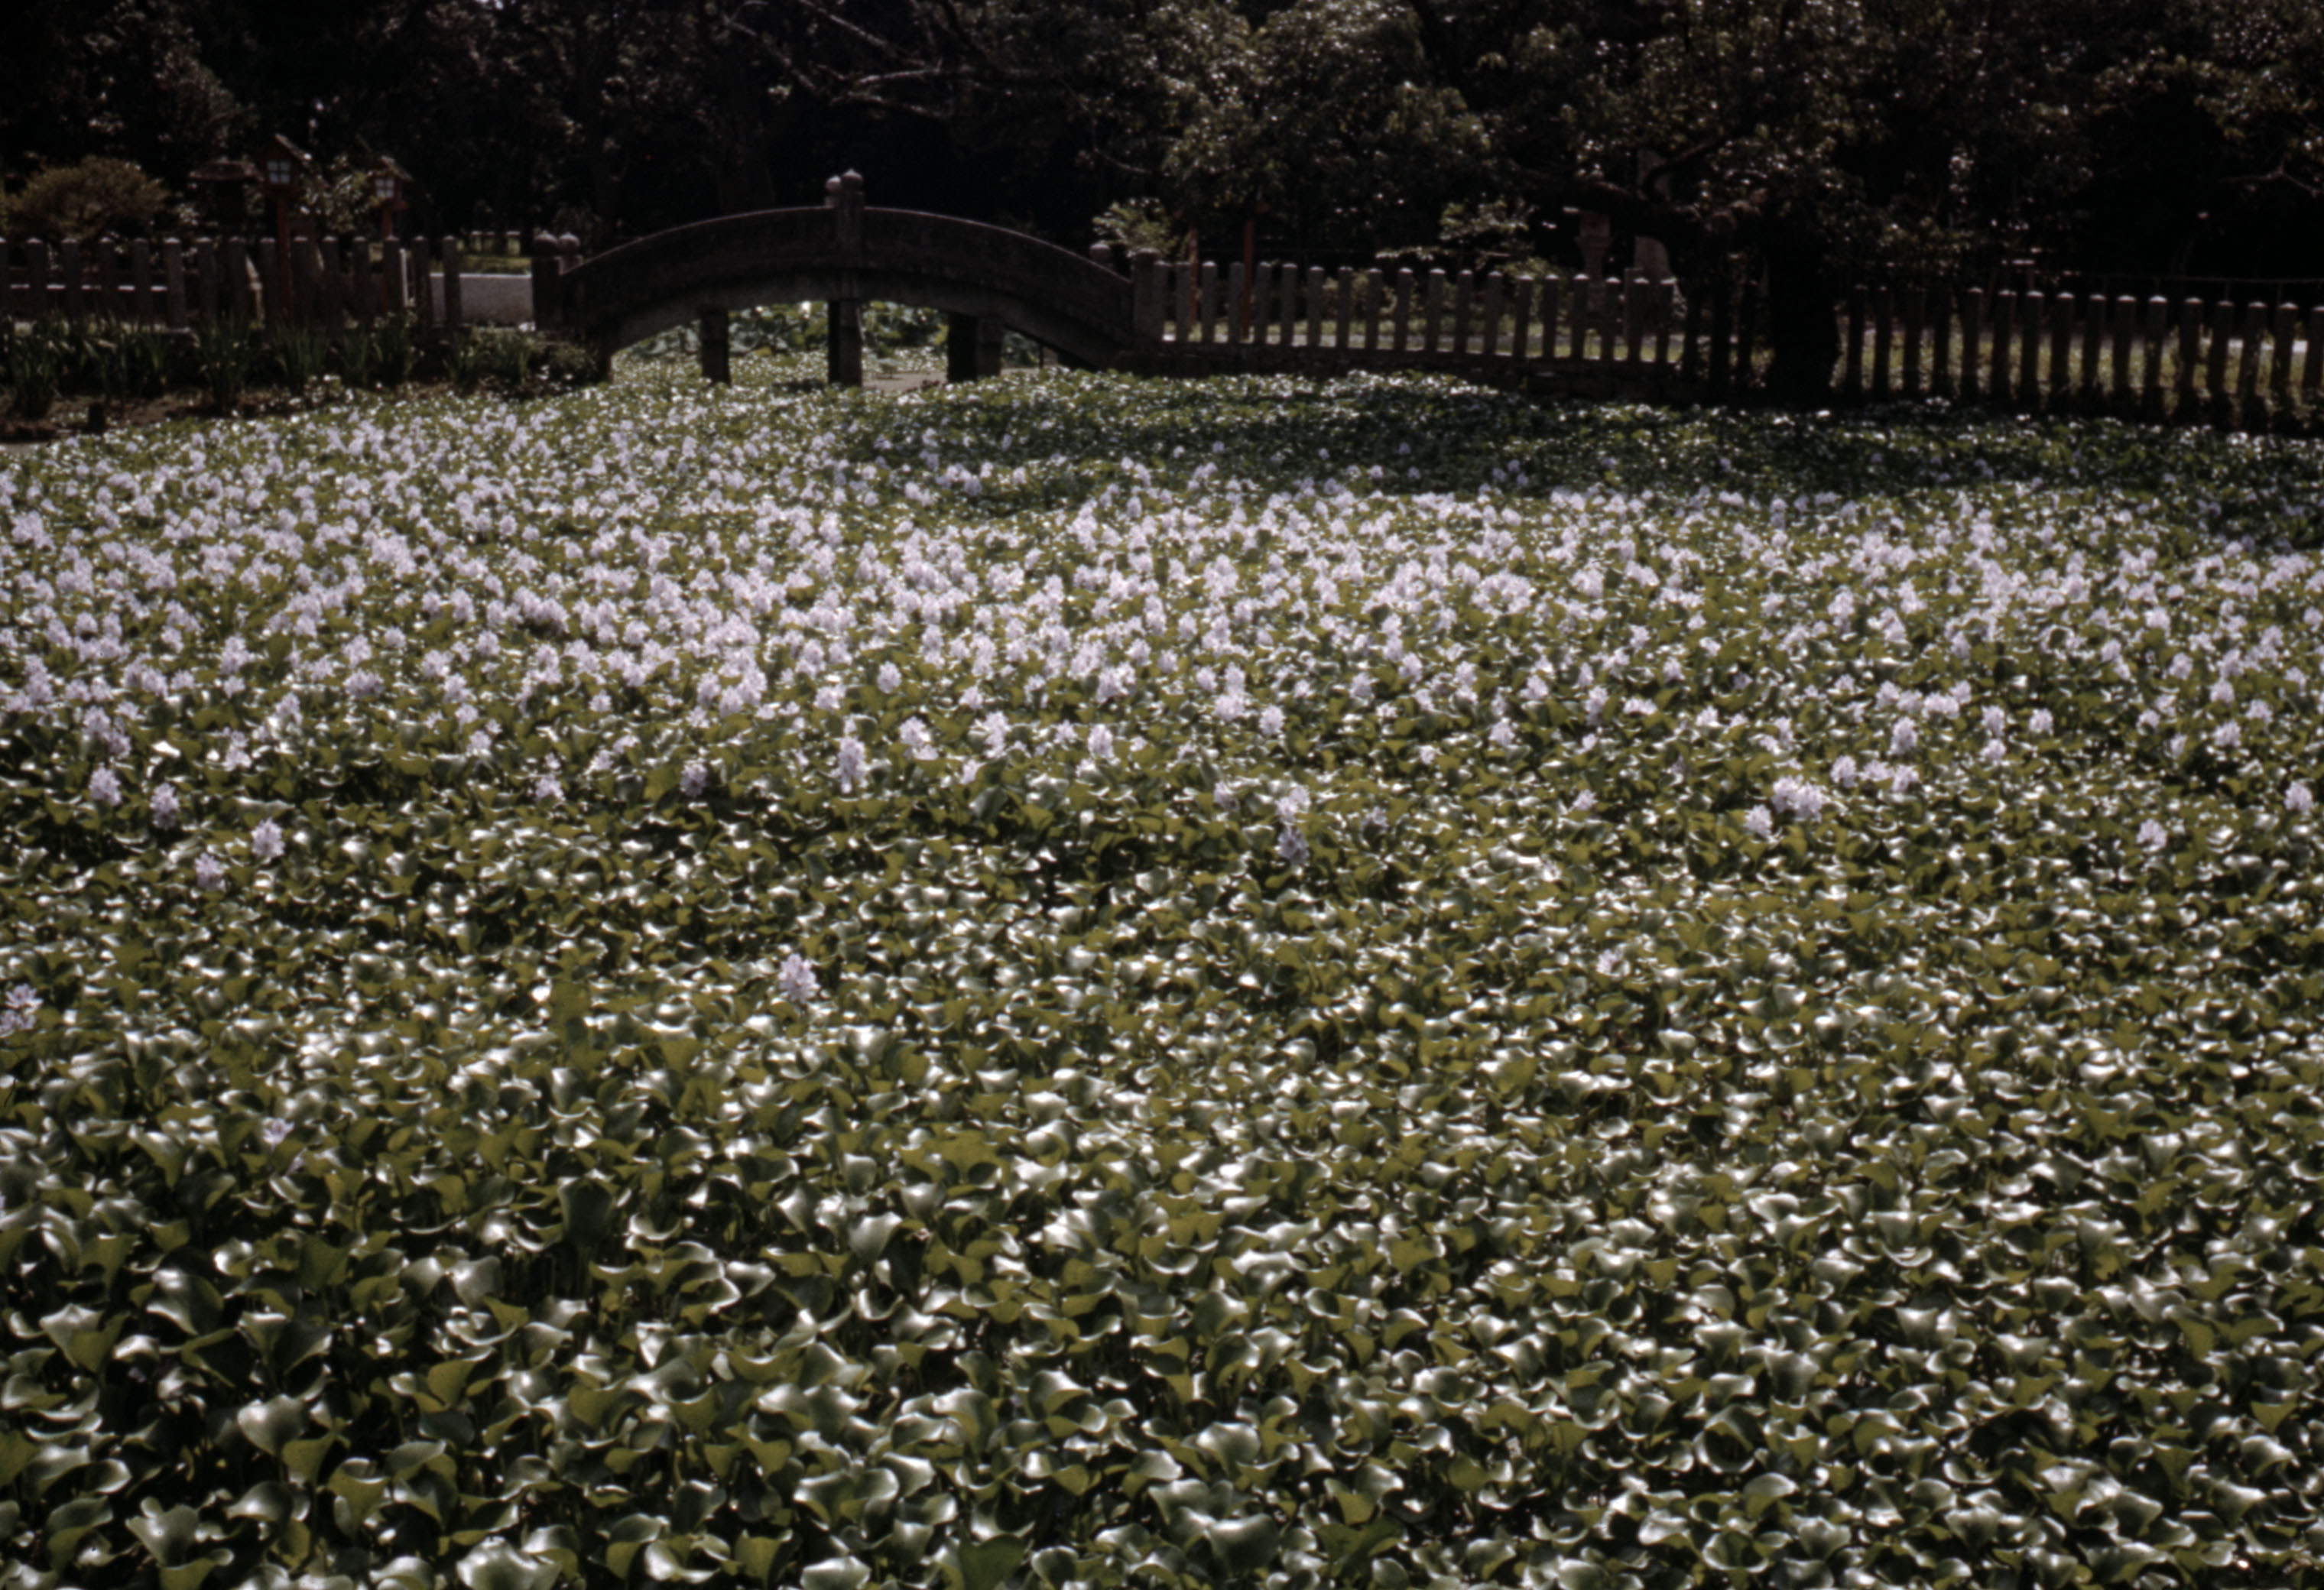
x: 1082, y: 982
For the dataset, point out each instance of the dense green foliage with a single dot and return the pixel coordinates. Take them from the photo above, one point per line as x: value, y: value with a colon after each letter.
x: 1074, y: 981
x: 1840, y: 135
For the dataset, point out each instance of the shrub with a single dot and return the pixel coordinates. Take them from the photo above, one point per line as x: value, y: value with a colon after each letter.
x: 466, y: 358
x: 127, y: 363
x: 85, y: 200
x: 225, y: 347
x: 35, y: 369
x: 563, y: 363
x: 1136, y: 223
x: 515, y: 354
x: 358, y: 355
x: 398, y: 351
x: 299, y: 353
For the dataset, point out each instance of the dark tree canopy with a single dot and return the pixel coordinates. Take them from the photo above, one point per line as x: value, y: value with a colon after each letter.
x: 1801, y: 141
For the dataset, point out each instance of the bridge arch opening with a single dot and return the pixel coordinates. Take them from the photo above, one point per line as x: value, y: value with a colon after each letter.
x: 891, y: 342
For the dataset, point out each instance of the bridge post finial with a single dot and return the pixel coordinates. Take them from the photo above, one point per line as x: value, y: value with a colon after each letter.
x: 846, y: 194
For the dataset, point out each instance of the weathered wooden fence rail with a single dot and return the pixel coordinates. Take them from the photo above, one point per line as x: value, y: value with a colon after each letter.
x: 333, y: 281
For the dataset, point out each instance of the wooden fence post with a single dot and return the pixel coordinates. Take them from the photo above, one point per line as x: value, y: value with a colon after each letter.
x: 392, y: 284
x: 2005, y: 318
x: 141, y: 282
x: 36, y: 279
x: 1521, y: 320
x: 2125, y: 315
x: 328, y: 259
x: 1915, y: 303
x: 1234, y: 318
x: 1432, y: 314
x: 1665, y: 298
x: 270, y: 288
x: 173, y: 284
x: 1408, y: 286
x: 2280, y: 381
x: 1463, y: 297
x: 1972, y: 361
x: 206, y: 277
x: 2222, y: 319
x: 2087, y: 385
x: 2247, y: 392
x: 1489, y: 346
x: 113, y: 280
x: 69, y: 267
x: 2311, y: 375
x: 1851, y: 355
x: 1940, y: 349
x: 1545, y: 311
x: 1316, y: 307
x: 2029, y: 351
x: 1689, y: 345
x: 2060, y: 387
x: 1343, y: 325
x: 1884, y: 332
x: 104, y: 290
x: 423, y: 284
x: 363, y: 289
x: 1747, y: 375
x: 2158, y: 331
x: 238, y: 289
x: 1375, y: 288
x: 1633, y: 320
x: 1146, y: 292
x: 1578, y: 348
x: 2190, y: 349
x: 453, y: 316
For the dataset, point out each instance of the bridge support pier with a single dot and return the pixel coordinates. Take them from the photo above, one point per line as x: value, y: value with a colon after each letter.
x: 845, y: 351
x: 973, y: 346
x: 717, y: 362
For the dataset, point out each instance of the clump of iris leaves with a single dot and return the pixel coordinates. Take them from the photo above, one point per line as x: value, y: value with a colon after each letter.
x: 1082, y: 981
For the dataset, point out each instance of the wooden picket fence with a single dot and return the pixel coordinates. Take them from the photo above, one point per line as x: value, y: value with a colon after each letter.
x: 334, y: 282
x: 2213, y: 359
x: 2219, y: 361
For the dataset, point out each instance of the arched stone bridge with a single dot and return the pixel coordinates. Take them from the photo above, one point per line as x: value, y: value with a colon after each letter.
x: 844, y: 255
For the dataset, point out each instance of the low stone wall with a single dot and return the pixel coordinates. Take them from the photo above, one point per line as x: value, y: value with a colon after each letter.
x: 489, y: 300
